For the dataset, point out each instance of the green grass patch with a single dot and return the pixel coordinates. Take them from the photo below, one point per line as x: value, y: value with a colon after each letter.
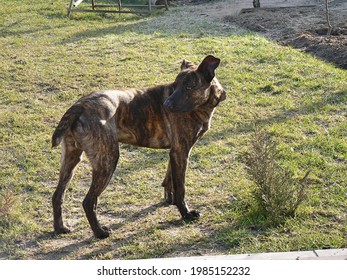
x: 48, y: 61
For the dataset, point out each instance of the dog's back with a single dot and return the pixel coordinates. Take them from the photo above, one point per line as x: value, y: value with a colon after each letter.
x: 138, y: 116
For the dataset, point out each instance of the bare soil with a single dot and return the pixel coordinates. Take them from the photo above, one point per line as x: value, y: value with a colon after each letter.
x: 301, y: 24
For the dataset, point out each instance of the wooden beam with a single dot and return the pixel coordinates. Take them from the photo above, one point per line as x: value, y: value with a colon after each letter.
x: 75, y: 4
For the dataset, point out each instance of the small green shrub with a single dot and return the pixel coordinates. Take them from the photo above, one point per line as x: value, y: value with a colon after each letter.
x: 8, y: 208
x: 277, y: 192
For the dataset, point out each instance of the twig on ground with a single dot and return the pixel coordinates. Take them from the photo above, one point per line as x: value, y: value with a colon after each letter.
x: 330, y: 28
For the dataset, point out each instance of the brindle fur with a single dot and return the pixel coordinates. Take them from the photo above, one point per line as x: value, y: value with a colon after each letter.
x: 172, y: 116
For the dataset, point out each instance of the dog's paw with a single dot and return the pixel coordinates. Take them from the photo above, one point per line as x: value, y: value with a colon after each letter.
x: 169, y: 201
x: 62, y: 230
x: 168, y: 197
x: 102, y: 233
x: 192, y: 216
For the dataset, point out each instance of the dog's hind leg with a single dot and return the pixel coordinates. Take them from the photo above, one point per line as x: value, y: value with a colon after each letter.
x: 102, y: 174
x: 71, y: 156
x: 103, y: 157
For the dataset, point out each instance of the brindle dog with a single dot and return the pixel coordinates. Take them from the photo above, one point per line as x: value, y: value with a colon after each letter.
x: 172, y: 116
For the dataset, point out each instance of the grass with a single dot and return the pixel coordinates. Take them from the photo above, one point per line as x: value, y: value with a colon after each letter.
x: 48, y: 61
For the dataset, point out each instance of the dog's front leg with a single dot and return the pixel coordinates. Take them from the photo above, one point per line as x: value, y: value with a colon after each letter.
x: 167, y: 184
x: 178, y: 162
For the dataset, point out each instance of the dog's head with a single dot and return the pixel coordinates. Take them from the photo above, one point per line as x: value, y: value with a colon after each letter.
x: 196, y: 86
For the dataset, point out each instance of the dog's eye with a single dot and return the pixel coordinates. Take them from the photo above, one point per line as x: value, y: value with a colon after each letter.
x: 190, y: 86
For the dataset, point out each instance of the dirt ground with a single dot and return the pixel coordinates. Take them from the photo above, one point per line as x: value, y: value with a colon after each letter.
x: 298, y: 23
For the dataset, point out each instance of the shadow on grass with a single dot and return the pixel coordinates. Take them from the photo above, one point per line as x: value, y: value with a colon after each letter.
x: 7, y: 32
x: 67, y: 245
x: 172, y: 23
x: 144, y: 212
x: 308, y: 108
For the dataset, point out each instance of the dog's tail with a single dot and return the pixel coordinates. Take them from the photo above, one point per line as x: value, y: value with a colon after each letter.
x: 68, y: 119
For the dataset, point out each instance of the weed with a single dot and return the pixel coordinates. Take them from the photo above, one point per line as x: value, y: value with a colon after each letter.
x: 8, y: 207
x: 277, y: 192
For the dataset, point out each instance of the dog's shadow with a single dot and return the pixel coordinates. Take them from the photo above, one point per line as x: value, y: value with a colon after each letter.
x: 117, y: 242
x: 63, y: 246
x: 145, y: 212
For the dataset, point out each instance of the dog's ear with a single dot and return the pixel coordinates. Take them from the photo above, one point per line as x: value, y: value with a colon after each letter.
x: 186, y: 64
x: 207, y: 67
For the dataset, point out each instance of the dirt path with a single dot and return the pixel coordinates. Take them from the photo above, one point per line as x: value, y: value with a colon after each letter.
x: 221, y: 9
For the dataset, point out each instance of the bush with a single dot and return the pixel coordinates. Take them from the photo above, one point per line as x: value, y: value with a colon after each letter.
x: 277, y: 192
x: 8, y: 208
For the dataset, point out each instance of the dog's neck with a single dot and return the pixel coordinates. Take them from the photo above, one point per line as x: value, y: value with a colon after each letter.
x: 204, y: 112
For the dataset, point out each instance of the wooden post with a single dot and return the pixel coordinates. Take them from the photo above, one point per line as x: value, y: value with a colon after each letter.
x: 119, y: 4
x: 69, y: 9
x: 149, y: 6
